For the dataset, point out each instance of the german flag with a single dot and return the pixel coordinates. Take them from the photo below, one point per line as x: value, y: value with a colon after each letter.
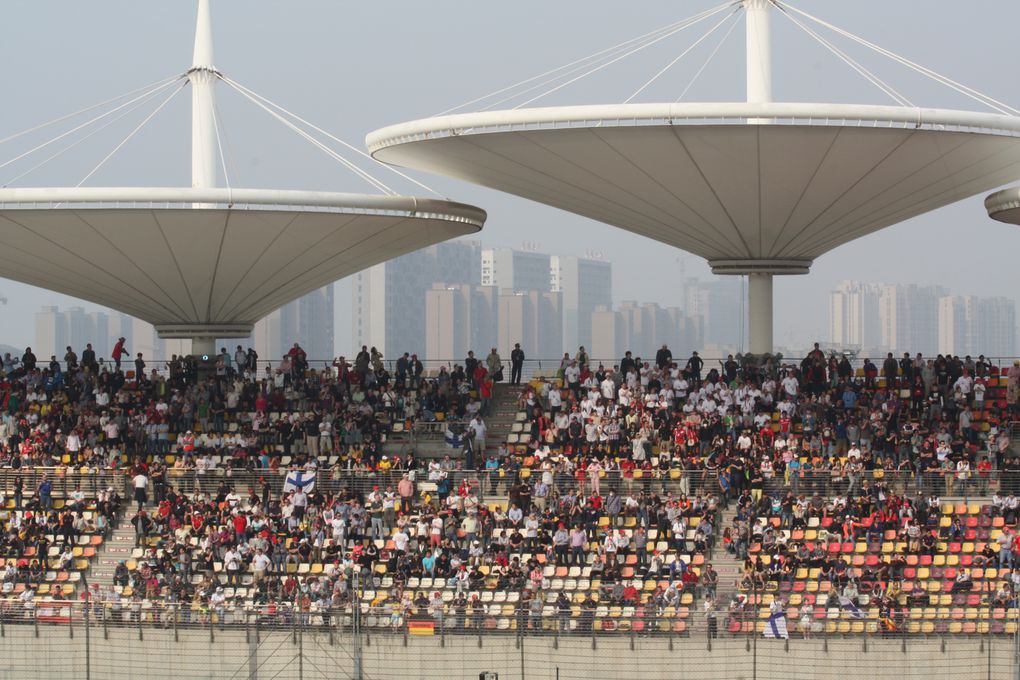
x: 421, y: 627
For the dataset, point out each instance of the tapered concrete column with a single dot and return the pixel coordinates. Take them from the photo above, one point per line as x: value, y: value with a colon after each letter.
x: 759, y: 293
x: 759, y: 313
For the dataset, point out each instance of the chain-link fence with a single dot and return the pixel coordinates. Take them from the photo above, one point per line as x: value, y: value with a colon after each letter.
x: 46, y: 640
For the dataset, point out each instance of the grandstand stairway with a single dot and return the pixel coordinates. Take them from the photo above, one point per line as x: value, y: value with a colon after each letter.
x: 504, y: 414
x: 119, y: 546
x: 726, y: 565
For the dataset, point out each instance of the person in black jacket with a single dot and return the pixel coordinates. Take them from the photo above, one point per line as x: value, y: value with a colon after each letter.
x: 516, y: 364
x: 663, y: 357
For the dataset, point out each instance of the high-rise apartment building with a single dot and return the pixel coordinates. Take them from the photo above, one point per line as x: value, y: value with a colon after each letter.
x: 514, y: 270
x: 997, y: 327
x: 958, y: 325
x: 720, y: 305
x: 532, y: 318
x: 853, y: 316
x: 642, y: 329
x: 973, y: 325
x: 609, y: 334
x: 459, y: 318
x: 909, y: 318
x: 307, y: 320
x: 388, y: 300
x: 586, y: 283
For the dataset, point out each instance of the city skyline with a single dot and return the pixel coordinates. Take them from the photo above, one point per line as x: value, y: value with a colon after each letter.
x: 901, y: 318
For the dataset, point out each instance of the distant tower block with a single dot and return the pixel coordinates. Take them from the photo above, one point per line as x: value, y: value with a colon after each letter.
x: 204, y: 262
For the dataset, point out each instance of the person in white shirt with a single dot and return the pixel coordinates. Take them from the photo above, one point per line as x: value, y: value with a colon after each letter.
x: 401, y: 540
x: 555, y: 401
x: 965, y: 384
x: 218, y: 601
x: 478, y: 431
x: 791, y: 386
x: 232, y: 564
x: 141, y: 485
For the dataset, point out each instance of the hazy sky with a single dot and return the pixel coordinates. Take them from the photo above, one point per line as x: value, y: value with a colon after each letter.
x: 352, y: 67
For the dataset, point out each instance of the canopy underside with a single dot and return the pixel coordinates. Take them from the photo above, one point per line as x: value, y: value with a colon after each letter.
x: 754, y: 191
x: 203, y: 266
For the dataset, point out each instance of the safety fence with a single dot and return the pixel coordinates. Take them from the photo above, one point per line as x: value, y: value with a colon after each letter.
x: 43, y: 640
x: 496, y: 483
x: 531, y: 368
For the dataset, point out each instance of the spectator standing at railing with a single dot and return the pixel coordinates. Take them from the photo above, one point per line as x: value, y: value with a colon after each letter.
x: 119, y: 352
x: 516, y: 364
x: 494, y: 364
x: 45, y: 493
x: 28, y: 360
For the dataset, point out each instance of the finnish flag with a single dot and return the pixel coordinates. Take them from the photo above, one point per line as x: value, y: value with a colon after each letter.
x: 849, y: 606
x: 453, y: 439
x: 299, y: 479
x: 776, y: 625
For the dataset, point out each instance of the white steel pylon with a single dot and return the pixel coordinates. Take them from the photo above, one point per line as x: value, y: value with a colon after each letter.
x: 203, y: 75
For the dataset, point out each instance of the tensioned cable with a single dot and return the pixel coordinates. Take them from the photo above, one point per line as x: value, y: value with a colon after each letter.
x: 711, y: 56
x: 80, y: 141
x: 681, y: 56
x: 547, y: 82
x: 849, y: 61
x: 378, y: 184
x: 588, y: 63
x: 693, y: 22
x: 88, y: 123
x: 219, y: 145
x: 133, y: 133
x: 979, y: 97
x: 591, y: 57
x: 336, y: 139
x: 61, y: 119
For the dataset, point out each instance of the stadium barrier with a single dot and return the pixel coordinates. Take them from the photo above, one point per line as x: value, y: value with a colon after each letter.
x: 494, y: 484
x: 79, y: 640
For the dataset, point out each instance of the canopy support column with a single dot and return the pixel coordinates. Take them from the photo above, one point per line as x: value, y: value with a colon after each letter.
x: 759, y: 313
x: 759, y: 293
x: 203, y: 347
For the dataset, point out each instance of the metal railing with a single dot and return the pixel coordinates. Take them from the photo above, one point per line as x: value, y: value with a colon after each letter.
x: 496, y: 482
x: 531, y: 368
x: 516, y: 617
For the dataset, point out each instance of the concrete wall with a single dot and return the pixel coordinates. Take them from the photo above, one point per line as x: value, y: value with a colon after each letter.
x: 278, y: 655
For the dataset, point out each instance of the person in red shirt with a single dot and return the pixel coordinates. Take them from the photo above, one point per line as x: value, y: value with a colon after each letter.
x: 485, y: 392
x: 118, y: 352
x: 240, y: 526
x: 689, y: 580
x: 630, y: 594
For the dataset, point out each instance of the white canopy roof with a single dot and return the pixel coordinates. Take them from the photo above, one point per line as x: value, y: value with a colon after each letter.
x: 1004, y: 205
x: 209, y: 261
x: 733, y: 183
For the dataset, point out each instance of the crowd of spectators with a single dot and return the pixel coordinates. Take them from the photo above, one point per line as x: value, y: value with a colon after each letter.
x: 620, y: 472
